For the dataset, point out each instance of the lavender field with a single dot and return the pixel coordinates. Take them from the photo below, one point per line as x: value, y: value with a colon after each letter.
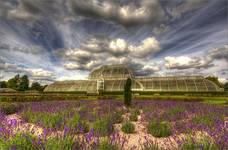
x: 109, y: 125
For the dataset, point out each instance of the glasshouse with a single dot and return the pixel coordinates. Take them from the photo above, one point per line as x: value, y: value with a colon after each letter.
x: 113, y: 77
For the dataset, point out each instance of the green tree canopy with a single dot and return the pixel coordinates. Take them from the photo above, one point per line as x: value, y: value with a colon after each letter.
x: 36, y: 86
x: 13, y: 83
x: 3, y: 84
x: 18, y: 83
x: 24, y: 83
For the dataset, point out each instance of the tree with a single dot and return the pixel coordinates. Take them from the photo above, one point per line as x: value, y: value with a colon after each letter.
x: 36, y: 86
x: 127, y: 93
x: 13, y: 83
x: 3, y: 84
x: 226, y: 86
x: 18, y: 83
x: 215, y: 80
x: 23, y: 83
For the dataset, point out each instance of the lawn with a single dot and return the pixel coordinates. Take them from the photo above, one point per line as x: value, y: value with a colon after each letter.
x: 108, y: 124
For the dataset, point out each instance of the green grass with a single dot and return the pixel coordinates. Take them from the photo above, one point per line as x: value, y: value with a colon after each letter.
x: 216, y: 100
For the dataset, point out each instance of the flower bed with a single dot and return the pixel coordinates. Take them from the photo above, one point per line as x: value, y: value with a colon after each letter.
x: 94, y: 124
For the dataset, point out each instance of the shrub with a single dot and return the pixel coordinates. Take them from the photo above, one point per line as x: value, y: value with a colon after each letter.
x: 48, y: 120
x: 128, y: 127
x: 19, y: 142
x: 127, y: 93
x: 56, y: 143
x: 103, y: 126
x: 74, y: 121
x: 159, y: 129
x: 134, y: 115
x: 117, y: 117
x: 203, y: 144
x: 9, y: 108
x: 203, y: 120
x: 83, y: 126
x: 176, y: 110
x: 106, y: 145
x: 51, y: 120
x: 77, y: 124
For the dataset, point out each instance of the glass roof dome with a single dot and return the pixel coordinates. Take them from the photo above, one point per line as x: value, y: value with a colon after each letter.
x: 111, y: 71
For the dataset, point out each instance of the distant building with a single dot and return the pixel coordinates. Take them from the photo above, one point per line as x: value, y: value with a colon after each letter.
x: 113, y: 77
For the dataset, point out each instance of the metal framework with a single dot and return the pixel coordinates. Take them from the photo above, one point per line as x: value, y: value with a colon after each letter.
x: 113, y: 78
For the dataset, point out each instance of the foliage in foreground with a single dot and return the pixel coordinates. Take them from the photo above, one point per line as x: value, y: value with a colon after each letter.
x: 192, y: 143
x: 9, y: 108
x: 107, y: 145
x: 103, y: 126
x: 134, y: 115
x: 25, y: 141
x: 159, y: 129
x: 151, y: 110
x: 128, y: 127
x: 18, y: 142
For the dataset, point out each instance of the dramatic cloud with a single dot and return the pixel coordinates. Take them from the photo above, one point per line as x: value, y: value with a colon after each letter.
x: 39, y: 72
x: 36, y: 9
x: 100, y: 51
x: 185, y: 62
x: 182, y: 62
x: 147, y: 47
x: 34, y: 73
x: 146, y: 11
x: 78, y: 55
x: 60, y: 39
x: 118, y: 46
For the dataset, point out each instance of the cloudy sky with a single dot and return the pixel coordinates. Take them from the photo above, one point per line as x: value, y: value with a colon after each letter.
x: 53, y: 40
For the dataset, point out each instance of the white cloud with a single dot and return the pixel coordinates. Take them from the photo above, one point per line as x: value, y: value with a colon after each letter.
x: 78, y: 54
x: 152, y: 67
x: 38, y: 72
x: 147, y: 47
x: 99, y: 51
x: 223, y: 80
x: 205, y: 61
x: 71, y: 66
x: 181, y: 62
x: 118, y: 46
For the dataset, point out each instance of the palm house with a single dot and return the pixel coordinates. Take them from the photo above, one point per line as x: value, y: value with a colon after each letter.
x: 113, y: 77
